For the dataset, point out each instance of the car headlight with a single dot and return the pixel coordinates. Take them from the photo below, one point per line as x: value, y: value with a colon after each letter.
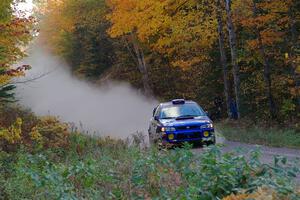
x: 167, y: 129
x: 210, y: 125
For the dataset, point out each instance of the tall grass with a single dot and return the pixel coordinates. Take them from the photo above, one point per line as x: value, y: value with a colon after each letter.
x: 276, y: 137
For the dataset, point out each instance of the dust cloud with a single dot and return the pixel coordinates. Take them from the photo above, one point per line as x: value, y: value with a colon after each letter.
x: 114, y: 109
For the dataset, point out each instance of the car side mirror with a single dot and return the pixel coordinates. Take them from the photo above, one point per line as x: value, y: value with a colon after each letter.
x: 154, y: 110
x: 156, y: 118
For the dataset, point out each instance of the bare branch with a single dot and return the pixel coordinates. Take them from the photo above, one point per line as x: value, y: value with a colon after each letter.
x: 26, y: 81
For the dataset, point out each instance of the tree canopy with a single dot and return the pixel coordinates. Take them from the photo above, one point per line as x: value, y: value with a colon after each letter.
x: 174, y: 47
x: 14, y: 36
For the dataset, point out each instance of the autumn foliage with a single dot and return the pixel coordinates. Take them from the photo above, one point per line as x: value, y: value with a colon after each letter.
x: 21, y: 128
x: 15, y: 33
x: 243, y: 52
x: 262, y: 193
x: 171, y: 48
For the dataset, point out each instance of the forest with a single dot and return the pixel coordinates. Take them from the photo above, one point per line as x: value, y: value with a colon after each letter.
x: 245, y: 53
x: 239, y: 59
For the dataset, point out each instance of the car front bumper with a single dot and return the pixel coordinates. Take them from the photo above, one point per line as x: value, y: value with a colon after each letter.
x: 190, y: 136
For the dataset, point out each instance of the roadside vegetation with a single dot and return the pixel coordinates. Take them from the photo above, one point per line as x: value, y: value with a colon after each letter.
x: 51, y: 162
x: 258, y: 134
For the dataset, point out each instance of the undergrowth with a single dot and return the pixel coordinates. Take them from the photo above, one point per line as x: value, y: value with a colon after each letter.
x: 42, y: 158
x: 102, y: 168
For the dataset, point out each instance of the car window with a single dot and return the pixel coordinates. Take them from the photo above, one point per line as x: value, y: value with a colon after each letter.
x: 157, y: 113
x: 182, y: 110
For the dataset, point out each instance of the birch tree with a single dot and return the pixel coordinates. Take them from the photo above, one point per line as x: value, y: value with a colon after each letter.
x: 233, y: 48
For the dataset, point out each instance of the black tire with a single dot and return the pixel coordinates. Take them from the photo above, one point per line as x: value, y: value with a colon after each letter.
x: 197, y: 144
x: 211, y: 143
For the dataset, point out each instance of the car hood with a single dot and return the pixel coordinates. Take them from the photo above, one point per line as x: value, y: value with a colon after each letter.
x: 184, y: 122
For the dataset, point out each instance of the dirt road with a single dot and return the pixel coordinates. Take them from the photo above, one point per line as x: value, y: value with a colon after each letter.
x: 268, y: 153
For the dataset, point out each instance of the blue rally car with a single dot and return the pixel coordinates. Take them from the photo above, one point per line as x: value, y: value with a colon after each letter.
x: 180, y: 121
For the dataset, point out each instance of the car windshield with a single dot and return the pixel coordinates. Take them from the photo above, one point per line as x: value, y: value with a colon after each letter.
x: 181, y: 111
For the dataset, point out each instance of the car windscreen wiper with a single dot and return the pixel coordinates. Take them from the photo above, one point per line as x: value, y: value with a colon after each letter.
x: 187, y: 117
x: 168, y: 118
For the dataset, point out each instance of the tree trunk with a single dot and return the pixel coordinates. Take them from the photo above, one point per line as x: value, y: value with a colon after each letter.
x: 267, y: 67
x: 292, y: 53
x: 223, y: 55
x: 232, y: 41
x: 139, y: 56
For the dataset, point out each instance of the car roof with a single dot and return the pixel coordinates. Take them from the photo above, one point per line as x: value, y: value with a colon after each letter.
x: 170, y: 103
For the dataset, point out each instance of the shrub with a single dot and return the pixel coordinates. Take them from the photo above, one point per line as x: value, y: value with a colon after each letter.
x: 50, y: 133
x: 9, y: 114
x: 11, y: 136
x: 20, y: 127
